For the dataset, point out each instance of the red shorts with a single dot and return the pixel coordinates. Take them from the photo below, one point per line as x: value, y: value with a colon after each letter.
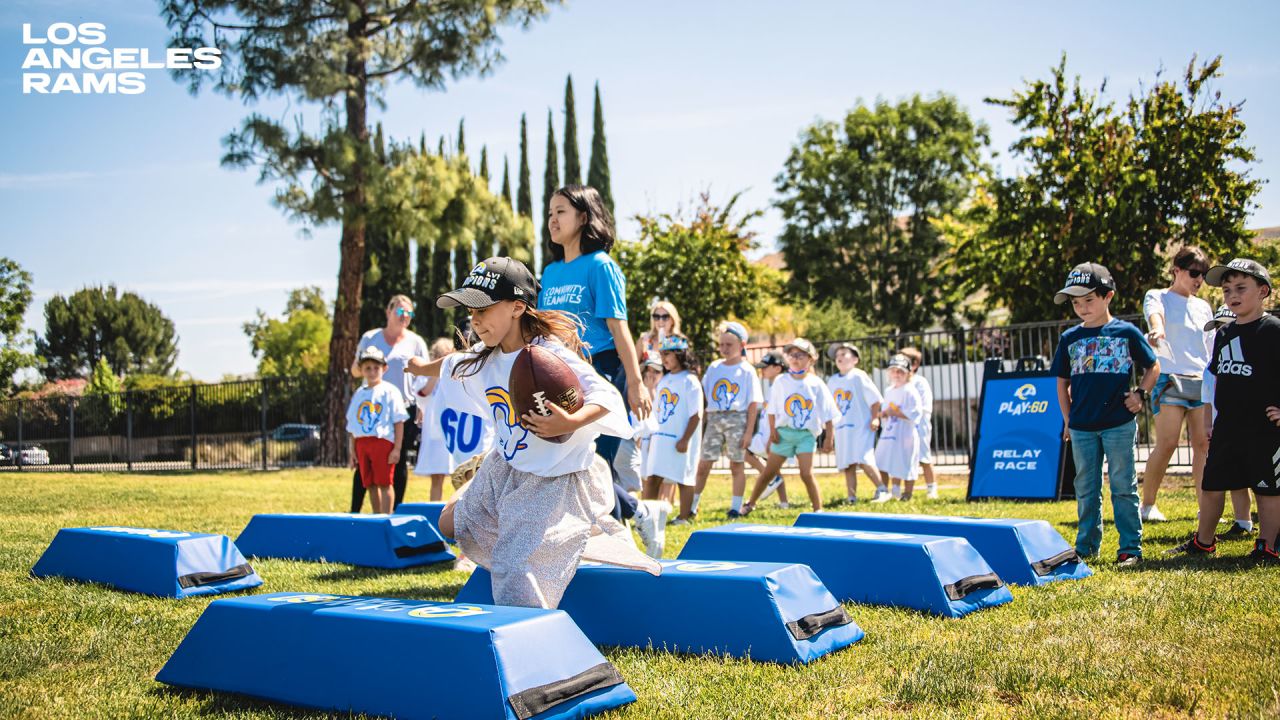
x: 371, y: 460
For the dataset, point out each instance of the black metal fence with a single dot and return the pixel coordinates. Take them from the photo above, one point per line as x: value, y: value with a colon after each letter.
x: 953, y: 365
x: 275, y: 422
x: 272, y: 422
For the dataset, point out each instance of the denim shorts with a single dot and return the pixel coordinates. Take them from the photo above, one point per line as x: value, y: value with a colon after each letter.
x: 793, y: 442
x: 1180, y: 390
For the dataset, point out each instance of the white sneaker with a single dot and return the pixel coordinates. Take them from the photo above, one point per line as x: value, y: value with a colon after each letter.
x: 931, y: 492
x: 1152, y: 513
x: 881, y: 496
x: 652, y: 528
x: 771, y: 488
x: 851, y: 500
x: 897, y: 493
x: 465, y: 564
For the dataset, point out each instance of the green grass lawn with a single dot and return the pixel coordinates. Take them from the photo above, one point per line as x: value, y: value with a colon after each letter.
x: 1172, y: 638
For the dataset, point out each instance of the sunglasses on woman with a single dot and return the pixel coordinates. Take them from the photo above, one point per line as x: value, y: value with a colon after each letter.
x: 401, y: 312
x: 1193, y: 272
x: 660, y: 316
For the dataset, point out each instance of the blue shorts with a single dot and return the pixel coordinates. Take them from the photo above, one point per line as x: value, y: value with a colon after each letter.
x: 793, y: 442
x: 1182, y: 391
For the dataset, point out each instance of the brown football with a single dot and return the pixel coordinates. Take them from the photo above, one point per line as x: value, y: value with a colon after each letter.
x: 539, y: 377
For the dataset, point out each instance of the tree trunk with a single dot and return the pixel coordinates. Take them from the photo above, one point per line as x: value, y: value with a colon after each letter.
x: 346, y: 308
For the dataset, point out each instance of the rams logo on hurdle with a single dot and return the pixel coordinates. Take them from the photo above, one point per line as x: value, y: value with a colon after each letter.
x: 820, y: 532
x: 667, y: 401
x: 798, y: 408
x: 706, y: 566
x: 509, y: 434
x: 724, y: 393
x: 367, y: 415
x: 428, y: 611
x: 844, y: 399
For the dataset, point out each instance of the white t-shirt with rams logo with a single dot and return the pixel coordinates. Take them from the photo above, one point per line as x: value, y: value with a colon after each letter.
x: 731, y: 387
x: 490, y: 386
x: 374, y: 411
x: 677, y: 398
x: 802, y: 404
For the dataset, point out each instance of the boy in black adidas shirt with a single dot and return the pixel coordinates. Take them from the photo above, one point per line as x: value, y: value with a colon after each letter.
x: 1244, y: 444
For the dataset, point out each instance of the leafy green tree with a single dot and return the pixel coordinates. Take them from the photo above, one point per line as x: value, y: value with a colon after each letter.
x: 572, y: 165
x: 598, y: 170
x: 341, y: 55
x: 15, y: 343
x: 550, y: 183
x: 1125, y: 188
x: 699, y: 264
x: 298, y: 342
x: 860, y: 198
x: 100, y: 322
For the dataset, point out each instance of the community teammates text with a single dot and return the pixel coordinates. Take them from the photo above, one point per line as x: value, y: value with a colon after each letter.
x: 70, y: 58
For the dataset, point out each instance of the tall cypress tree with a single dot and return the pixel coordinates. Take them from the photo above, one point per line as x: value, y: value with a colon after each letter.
x: 423, y: 321
x: 598, y: 170
x: 550, y: 183
x: 462, y: 136
x: 572, y: 165
x: 524, y: 192
x: 386, y: 264
x: 506, y: 182
x: 439, y: 285
x: 484, y: 164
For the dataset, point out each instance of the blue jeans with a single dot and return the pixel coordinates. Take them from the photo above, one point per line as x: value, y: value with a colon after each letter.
x: 1088, y: 448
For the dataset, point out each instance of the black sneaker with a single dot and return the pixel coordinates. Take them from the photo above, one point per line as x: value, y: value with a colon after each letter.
x: 1193, y: 547
x: 733, y: 515
x: 1262, y: 555
x: 1237, y: 532
x: 1124, y: 560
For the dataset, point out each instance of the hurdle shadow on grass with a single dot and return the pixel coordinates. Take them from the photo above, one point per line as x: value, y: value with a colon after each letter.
x: 222, y: 704
x: 357, y: 572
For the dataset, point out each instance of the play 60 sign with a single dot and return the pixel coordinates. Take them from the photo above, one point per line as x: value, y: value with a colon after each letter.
x: 1019, y: 439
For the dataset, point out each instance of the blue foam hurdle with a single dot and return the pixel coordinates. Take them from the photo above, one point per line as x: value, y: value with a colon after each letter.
x: 382, y: 541
x: 400, y: 658
x: 429, y: 510
x: 168, y: 563
x: 941, y: 575
x: 765, y: 611
x: 1025, y: 552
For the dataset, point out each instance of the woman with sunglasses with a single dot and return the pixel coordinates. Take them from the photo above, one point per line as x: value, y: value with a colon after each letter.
x: 398, y: 343
x: 1176, y: 319
x: 664, y: 322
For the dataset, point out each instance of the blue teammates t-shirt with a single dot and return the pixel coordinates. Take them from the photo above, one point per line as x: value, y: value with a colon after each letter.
x: 1100, y: 361
x: 591, y: 287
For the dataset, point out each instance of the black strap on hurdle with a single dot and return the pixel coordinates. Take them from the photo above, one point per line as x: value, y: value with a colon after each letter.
x: 528, y: 703
x: 405, y: 551
x: 962, y: 587
x: 1049, y: 564
x: 810, y: 625
x: 209, y: 578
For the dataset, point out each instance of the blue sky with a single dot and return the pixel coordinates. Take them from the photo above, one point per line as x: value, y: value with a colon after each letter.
x: 697, y: 96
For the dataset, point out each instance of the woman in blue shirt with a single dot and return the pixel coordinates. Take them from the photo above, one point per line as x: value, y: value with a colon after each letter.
x: 583, y: 280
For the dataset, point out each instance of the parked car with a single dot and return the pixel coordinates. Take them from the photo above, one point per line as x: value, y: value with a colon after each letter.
x: 295, y: 432
x: 31, y: 455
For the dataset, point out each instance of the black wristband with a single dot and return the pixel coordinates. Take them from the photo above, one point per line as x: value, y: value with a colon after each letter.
x: 1141, y: 393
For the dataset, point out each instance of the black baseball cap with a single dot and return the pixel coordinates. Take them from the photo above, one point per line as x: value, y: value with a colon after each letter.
x: 773, y: 357
x: 1084, y: 279
x: 1239, y: 265
x: 1224, y: 316
x: 492, y: 281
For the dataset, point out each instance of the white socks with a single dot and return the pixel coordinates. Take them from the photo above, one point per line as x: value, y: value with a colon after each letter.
x: 693, y: 506
x: 734, y: 506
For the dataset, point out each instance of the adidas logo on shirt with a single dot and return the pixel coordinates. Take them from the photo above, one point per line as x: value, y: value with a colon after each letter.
x: 1231, y: 360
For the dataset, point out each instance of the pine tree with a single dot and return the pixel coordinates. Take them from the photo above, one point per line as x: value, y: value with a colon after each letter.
x: 524, y: 192
x: 484, y: 163
x: 550, y: 183
x: 572, y: 165
x: 598, y: 170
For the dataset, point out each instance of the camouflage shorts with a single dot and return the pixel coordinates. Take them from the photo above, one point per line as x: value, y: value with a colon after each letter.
x: 724, y: 435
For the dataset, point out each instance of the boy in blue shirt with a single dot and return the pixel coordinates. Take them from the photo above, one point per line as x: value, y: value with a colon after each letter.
x: 1094, y: 363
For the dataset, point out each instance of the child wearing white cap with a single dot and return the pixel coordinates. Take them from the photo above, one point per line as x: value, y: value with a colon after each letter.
x: 733, y: 397
x: 898, y: 452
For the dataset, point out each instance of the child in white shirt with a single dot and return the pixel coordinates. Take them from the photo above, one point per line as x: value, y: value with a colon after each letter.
x: 675, y: 444
x: 924, y: 428
x: 858, y: 402
x: 898, y: 452
x: 375, y: 420
x: 733, y: 398
x: 800, y: 408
